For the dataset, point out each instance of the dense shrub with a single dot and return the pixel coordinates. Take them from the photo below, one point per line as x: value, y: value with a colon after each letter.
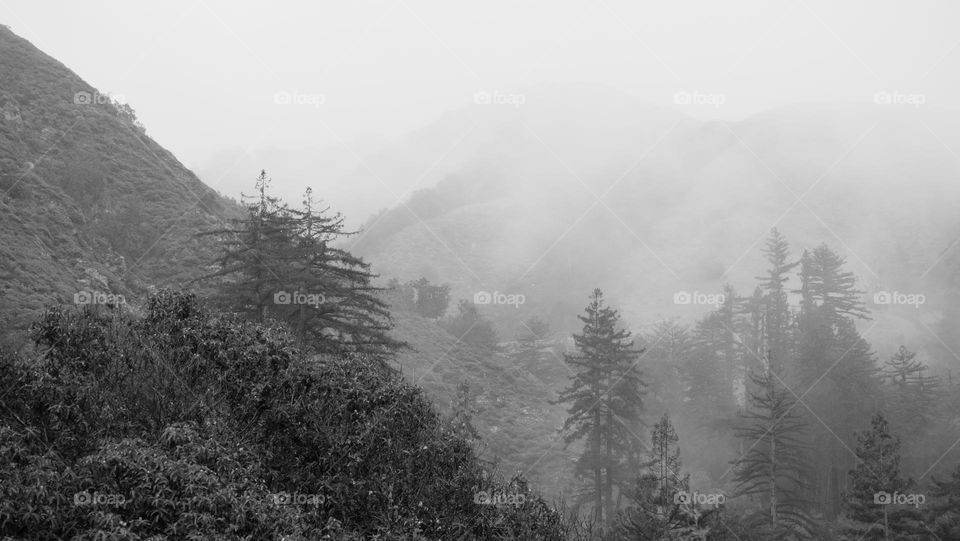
x: 185, y: 424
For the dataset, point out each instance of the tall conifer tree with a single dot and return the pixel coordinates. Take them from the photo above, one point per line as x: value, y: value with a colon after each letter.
x: 606, y: 403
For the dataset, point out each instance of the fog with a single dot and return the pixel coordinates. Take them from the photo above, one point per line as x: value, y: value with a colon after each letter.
x: 764, y: 195
x: 203, y: 75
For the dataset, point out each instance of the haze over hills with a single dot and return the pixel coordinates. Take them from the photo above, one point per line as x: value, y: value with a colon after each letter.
x: 547, y: 193
x: 683, y: 205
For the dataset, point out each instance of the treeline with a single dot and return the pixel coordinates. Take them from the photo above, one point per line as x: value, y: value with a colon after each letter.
x: 787, y: 406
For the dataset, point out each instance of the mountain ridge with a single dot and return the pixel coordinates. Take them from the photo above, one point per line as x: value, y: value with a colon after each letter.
x: 89, y: 201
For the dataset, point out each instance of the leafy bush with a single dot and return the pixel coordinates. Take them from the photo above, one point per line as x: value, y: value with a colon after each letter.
x: 190, y: 425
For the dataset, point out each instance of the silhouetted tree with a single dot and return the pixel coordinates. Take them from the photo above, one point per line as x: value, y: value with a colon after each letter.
x: 251, y: 263
x: 281, y: 263
x: 777, y: 319
x: 773, y: 466
x: 709, y: 370
x: 876, y: 484
x: 835, y: 370
x: 657, y: 511
x: 606, y: 402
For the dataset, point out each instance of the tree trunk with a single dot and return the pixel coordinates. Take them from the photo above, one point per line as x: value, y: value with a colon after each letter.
x: 609, y: 458
x: 773, y: 481
x: 597, y: 479
x: 609, y: 463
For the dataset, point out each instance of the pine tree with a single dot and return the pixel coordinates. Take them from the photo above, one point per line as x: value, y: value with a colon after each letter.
x: 775, y: 308
x: 657, y: 512
x: 667, y: 347
x: 606, y: 403
x: 913, y: 400
x: 875, y: 483
x: 730, y: 349
x: 753, y: 310
x: 835, y: 370
x: 349, y: 308
x: 708, y: 371
x: 250, y: 265
x: 915, y: 395
x: 668, y: 342
x: 280, y: 263
x: 664, y: 461
x: 830, y: 288
x: 773, y: 465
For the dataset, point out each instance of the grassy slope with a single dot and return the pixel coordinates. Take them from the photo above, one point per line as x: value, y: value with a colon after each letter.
x: 87, y: 199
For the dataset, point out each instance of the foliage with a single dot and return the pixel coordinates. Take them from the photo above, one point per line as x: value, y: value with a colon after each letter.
x: 606, y: 401
x: 241, y: 426
x: 662, y: 507
x: 281, y: 263
x: 834, y: 369
x: 773, y: 467
x: 877, y: 477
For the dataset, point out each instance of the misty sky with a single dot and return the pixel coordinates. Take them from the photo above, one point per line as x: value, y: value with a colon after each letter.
x: 202, y: 75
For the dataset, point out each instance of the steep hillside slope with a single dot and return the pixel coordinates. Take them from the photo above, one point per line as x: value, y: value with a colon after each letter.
x: 88, y: 202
